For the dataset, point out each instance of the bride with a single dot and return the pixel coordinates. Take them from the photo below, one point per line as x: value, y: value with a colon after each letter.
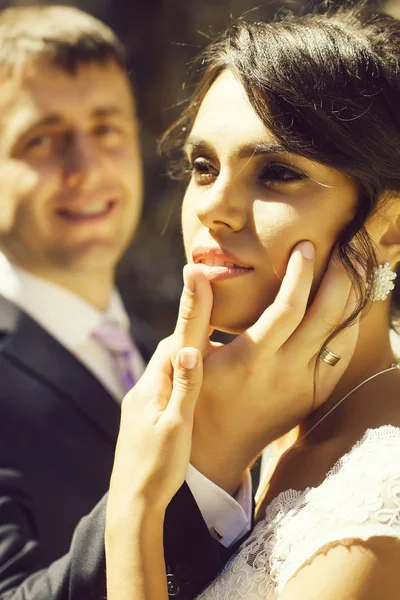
x: 291, y: 224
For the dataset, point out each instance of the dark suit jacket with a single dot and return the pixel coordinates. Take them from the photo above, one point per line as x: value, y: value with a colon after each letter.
x: 58, y: 428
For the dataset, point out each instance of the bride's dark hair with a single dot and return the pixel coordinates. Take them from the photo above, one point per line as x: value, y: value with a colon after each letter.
x: 328, y: 87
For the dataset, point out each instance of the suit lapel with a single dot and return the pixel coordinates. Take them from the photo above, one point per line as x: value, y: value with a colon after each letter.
x: 30, y: 346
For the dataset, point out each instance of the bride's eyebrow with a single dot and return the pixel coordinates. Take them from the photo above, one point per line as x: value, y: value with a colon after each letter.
x: 258, y: 148
x: 245, y: 151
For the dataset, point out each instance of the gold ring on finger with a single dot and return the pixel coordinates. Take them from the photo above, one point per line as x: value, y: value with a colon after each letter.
x: 329, y: 357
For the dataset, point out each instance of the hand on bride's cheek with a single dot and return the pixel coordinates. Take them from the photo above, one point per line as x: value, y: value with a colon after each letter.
x: 248, y: 203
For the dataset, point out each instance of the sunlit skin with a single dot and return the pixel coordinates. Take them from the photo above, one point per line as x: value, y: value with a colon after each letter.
x: 257, y: 205
x: 255, y: 201
x: 78, y: 134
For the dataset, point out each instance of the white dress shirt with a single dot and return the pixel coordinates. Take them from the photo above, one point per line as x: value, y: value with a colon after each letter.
x: 71, y: 321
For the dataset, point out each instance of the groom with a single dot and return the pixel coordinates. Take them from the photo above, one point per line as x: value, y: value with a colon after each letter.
x: 70, y: 167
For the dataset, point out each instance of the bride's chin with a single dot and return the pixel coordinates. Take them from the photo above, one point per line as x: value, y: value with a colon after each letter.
x: 234, y: 313
x: 233, y: 324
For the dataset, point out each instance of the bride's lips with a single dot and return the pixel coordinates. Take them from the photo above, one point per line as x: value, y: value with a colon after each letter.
x: 218, y: 264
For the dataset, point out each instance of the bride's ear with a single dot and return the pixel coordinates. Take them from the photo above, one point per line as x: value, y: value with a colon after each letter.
x: 390, y: 242
x: 386, y: 232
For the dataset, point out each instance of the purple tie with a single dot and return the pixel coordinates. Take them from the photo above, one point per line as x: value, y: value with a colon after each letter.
x: 119, y: 344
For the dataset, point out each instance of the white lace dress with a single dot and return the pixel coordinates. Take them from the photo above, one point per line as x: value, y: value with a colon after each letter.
x: 359, y: 499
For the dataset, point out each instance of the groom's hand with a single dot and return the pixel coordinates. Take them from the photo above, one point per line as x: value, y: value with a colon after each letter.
x: 262, y: 384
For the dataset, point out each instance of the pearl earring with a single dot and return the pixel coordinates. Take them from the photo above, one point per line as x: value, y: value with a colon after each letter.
x: 382, y: 282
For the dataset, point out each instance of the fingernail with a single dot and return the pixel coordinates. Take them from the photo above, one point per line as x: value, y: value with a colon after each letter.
x: 307, y: 249
x: 188, y: 358
x: 187, y: 280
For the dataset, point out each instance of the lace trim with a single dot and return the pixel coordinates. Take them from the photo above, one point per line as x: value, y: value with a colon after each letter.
x: 359, y: 499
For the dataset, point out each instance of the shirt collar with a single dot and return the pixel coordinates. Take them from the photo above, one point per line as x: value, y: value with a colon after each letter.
x: 65, y: 315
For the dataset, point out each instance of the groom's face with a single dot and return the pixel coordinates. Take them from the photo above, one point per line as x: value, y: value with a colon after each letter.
x: 78, y: 134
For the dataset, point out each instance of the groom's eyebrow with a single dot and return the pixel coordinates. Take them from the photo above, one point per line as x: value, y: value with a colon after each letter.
x: 249, y: 150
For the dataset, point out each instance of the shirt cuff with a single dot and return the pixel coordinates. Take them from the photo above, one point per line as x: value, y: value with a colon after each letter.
x: 227, y: 518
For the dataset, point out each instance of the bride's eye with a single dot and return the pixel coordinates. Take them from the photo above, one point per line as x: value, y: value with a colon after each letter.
x: 279, y: 173
x: 202, y: 171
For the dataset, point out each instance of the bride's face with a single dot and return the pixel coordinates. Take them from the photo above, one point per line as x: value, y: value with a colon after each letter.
x: 249, y: 203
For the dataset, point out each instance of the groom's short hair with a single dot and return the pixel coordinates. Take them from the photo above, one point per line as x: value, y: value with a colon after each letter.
x: 64, y: 36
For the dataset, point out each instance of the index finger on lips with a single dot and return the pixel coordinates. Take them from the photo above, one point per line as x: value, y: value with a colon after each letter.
x: 280, y: 319
x: 192, y: 326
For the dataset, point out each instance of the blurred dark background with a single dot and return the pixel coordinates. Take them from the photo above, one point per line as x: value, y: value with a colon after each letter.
x: 161, y: 38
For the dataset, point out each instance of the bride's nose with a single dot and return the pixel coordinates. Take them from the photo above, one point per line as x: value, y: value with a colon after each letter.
x: 222, y: 206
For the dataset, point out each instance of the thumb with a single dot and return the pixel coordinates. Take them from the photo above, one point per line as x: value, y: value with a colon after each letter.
x: 186, y: 385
